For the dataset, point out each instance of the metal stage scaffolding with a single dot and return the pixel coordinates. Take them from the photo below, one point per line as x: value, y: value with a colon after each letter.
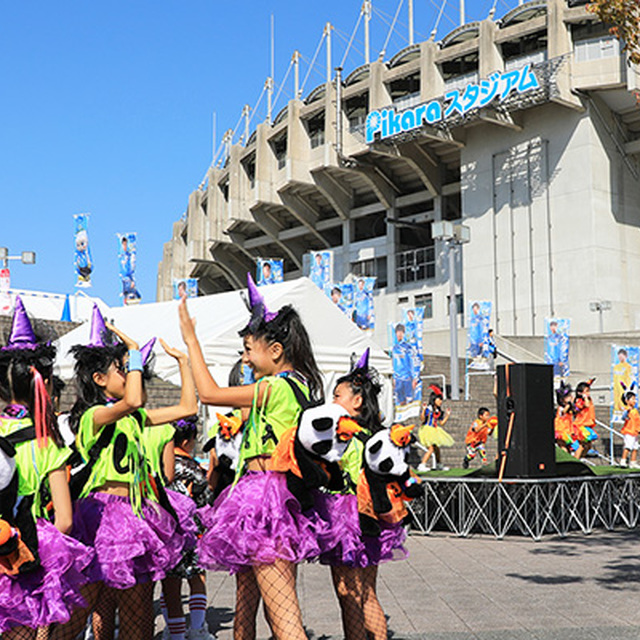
x: 529, y: 507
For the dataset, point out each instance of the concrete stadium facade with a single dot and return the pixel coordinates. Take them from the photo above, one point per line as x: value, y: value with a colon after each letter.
x: 547, y: 181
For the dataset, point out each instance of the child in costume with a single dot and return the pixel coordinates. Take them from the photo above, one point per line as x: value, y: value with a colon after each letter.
x: 630, y: 430
x: 119, y: 512
x: 256, y: 528
x: 431, y: 434
x: 584, y: 419
x: 563, y: 423
x: 476, y: 438
x: 42, y: 569
x: 189, y: 480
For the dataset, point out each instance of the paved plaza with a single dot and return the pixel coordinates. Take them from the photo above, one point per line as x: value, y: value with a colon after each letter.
x: 582, y: 587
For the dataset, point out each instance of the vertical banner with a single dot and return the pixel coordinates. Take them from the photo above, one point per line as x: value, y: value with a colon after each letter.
x: 624, y: 374
x: 185, y: 287
x: 127, y: 254
x: 404, y: 356
x: 321, y: 269
x: 413, y: 320
x: 5, y: 285
x: 342, y: 296
x: 363, y: 310
x: 269, y: 271
x: 82, y: 261
x: 479, y: 323
x: 556, y: 345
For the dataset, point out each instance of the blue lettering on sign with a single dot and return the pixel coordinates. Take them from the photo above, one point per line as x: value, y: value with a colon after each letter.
x: 499, y: 86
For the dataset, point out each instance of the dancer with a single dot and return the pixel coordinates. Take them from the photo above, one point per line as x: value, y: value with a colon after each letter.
x: 431, y: 434
x: 135, y: 539
x: 563, y: 423
x: 630, y: 430
x: 42, y: 569
x: 476, y: 438
x: 584, y: 420
x: 257, y: 523
x: 190, y: 480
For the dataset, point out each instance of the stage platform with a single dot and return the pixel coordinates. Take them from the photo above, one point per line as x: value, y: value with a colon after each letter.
x: 527, y: 507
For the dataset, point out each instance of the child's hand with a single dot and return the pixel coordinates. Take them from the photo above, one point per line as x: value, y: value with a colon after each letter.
x: 126, y: 340
x: 187, y: 323
x: 447, y: 412
x: 174, y: 353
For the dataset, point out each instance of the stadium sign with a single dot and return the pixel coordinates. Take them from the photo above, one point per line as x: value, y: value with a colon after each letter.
x: 386, y: 123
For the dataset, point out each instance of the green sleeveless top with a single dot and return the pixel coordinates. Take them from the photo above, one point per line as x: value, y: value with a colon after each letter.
x: 267, y: 423
x: 122, y: 460
x: 154, y: 440
x: 34, y: 463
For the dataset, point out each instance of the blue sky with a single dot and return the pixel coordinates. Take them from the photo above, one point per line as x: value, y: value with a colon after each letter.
x: 107, y: 108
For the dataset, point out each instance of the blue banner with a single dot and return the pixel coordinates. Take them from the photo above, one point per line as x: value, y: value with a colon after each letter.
x: 321, y: 269
x: 407, y: 390
x: 478, y: 325
x: 556, y: 345
x: 82, y: 261
x: 269, y: 271
x: 363, y: 310
x: 127, y: 255
x: 187, y: 287
x: 341, y: 294
x: 624, y: 374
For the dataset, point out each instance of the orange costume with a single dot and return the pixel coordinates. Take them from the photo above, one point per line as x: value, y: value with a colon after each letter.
x: 631, y: 423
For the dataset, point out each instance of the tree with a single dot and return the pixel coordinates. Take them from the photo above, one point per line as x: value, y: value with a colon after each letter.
x: 623, y: 19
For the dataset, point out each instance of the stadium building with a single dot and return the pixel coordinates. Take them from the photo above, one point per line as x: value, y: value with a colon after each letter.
x: 526, y: 130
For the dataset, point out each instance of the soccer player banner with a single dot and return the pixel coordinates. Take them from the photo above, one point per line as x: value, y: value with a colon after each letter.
x: 404, y: 356
x: 269, y: 271
x: 479, y: 322
x: 341, y: 294
x: 413, y: 320
x: 624, y: 375
x: 185, y: 287
x: 363, y: 309
x: 82, y: 261
x: 321, y: 269
x: 127, y: 255
x: 556, y: 345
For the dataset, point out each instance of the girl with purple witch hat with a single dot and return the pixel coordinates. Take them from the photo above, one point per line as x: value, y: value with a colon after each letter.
x: 255, y: 528
x: 118, y: 513
x: 42, y: 569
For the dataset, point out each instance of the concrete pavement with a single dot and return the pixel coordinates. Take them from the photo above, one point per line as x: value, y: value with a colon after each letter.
x: 582, y: 587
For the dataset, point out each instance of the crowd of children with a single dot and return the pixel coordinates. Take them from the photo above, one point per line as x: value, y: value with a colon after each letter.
x: 88, y: 527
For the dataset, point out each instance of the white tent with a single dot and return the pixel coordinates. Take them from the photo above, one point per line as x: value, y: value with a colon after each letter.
x: 49, y: 306
x: 219, y: 317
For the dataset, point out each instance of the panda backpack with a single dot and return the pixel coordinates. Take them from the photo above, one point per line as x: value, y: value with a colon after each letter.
x: 309, y: 453
x: 385, y: 482
x: 18, y: 537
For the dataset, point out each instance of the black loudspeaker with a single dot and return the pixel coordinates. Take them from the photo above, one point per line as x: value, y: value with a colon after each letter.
x: 526, y: 392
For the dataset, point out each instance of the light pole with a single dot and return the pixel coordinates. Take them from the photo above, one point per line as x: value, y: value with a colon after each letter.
x: 600, y: 306
x: 26, y: 257
x: 453, y: 235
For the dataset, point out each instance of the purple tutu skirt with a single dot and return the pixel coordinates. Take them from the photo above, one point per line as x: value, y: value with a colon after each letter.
x: 129, y: 549
x: 258, y: 521
x: 343, y: 545
x: 389, y: 545
x: 51, y: 593
x: 185, y: 509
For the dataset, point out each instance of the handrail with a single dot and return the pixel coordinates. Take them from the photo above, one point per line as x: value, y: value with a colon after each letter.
x: 613, y: 432
x: 443, y: 386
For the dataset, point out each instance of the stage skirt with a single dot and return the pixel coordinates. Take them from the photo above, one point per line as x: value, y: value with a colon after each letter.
x: 429, y: 435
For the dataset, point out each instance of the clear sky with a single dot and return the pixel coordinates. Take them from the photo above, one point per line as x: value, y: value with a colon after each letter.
x: 106, y: 108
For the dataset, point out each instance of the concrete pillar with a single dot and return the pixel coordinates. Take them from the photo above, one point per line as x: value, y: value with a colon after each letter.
x: 431, y: 82
x: 330, y: 125
x: 558, y: 31
x: 391, y: 252
x: 297, y: 145
x: 489, y: 54
x: 346, y: 243
x: 378, y: 94
x: 264, y: 163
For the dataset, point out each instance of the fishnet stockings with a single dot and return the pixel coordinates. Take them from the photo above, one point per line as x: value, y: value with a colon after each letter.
x: 277, y: 584
x: 24, y: 633
x: 135, y: 606
x: 78, y: 620
x: 247, y: 603
x: 103, y: 619
x: 374, y: 619
x: 347, y: 582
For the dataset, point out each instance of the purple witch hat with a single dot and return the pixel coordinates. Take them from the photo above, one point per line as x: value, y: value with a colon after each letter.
x: 257, y: 306
x: 146, y: 350
x: 98, y: 329
x: 22, y: 335
x: 362, y: 362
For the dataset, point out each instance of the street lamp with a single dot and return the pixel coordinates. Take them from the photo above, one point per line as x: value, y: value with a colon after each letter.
x: 452, y: 235
x: 26, y: 257
x: 600, y: 306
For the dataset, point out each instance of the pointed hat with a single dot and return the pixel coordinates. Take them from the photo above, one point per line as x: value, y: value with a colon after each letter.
x: 22, y: 335
x: 98, y: 329
x: 257, y: 306
x: 146, y: 350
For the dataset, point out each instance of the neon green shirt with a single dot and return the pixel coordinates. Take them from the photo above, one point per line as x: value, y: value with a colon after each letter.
x: 154, y: 440
x: 34, y: 463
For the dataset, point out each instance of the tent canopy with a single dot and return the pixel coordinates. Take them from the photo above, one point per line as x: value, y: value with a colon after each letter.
x: 219, y: 317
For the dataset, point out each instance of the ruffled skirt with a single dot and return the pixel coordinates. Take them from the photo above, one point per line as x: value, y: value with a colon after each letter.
x: 129, y: 549
x: 258, y: 521
x: 437, y: 436
x: 51, y: 593
x: 388, y: 546
x: 185, y: 509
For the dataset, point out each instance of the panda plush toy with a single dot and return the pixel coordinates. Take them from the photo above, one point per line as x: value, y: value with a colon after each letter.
x: 309, y: 454
x: 386, y: 482
x: 18, y: 537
